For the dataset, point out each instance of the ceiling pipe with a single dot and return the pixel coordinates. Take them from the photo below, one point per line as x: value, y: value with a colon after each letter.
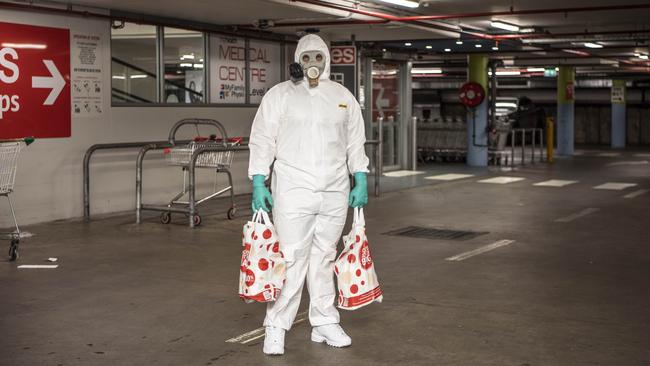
x: 343, y: 13
x: 528, y: 12
x: 327, y: 23
x: 446, y: 30
x: 420, y: 18
x: 68, y: 11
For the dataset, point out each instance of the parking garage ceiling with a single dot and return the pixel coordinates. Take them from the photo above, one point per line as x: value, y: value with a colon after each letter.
x: 596, y: 35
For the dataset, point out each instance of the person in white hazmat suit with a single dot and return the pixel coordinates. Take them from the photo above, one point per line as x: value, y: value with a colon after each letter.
x: 313, y: 129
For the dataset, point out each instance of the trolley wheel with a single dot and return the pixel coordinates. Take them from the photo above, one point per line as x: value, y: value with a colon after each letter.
x: 232, y: 212
x: 166, y: 217
x: 13, y: 250
x: 197, y: 219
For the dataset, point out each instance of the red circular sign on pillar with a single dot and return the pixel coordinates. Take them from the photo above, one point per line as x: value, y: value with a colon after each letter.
x: 471, y: 94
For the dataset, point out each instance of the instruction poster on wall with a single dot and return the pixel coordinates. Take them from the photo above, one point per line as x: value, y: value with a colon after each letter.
x: 227, y: 70
x: 87, y: 74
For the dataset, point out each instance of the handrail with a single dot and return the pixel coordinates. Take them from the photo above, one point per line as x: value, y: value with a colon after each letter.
x: 121, y: 94
x: 86, y: 165
x: 378, y: 169
x: 151, y: 74
x: 524, y: 132
x: 196, y: 122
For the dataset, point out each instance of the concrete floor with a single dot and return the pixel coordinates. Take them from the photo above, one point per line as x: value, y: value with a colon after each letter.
x: 563, y: 293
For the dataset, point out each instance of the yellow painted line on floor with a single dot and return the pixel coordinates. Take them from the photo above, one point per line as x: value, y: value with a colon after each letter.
x: 481, y: 250
x: 258, y: 333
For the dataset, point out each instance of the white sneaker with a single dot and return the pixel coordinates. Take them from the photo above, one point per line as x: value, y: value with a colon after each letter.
x: 332, y: 334
x: 274, y: 341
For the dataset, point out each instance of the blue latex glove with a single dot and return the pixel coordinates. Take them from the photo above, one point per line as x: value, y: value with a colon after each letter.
x: 261, y: 194
x: 359, y: 194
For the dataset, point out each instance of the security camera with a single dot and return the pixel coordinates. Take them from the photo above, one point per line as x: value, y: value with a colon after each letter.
x: 264, y: 23
x: 117, y: 24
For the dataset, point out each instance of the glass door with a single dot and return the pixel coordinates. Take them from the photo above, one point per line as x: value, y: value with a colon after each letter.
x: 385, y: 102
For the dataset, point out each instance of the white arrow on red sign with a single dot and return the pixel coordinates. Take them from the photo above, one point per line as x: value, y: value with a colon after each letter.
x: 56, y: 82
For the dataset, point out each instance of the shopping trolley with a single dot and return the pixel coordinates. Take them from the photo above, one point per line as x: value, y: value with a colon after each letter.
x: 9, y: 150
x: 220, y: 161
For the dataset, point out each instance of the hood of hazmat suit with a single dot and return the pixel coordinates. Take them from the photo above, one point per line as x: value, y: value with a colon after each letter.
x: 315, y: 136
x: 310, y: 45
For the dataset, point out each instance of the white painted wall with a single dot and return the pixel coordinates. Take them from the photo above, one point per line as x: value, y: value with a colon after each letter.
x: 49, y: 179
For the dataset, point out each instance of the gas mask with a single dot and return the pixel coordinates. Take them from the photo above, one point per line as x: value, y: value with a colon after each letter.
x: 312, y: 64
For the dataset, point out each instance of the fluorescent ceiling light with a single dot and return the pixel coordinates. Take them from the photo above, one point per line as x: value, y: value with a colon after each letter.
x: 506, y: 105
x: 32, y: 46
x: 508, y: 73
x: 527, y: 30
x: 383, y: 50
x: 406, y: 3
x: 643, y: 57
x: 185, y: 64
x: 447, y: 49
x: 198, y: 66
x: 495, y: 48
x: 478, y: 45
x: 504, y: 26
x: 187, y: 57
x: 535, y: 69
x: 459, y: 42
x: 119, y: 77
x: 138, y: 76
x: 408, y: 44
x: 384, y: 72
x: 593, y: 45
x: 429, y: 47
x: 576, y: 52
x: 426, y: 71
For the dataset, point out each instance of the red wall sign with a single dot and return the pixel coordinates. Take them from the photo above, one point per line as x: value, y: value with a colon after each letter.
x: 34, y: 81
x: 343, y: 55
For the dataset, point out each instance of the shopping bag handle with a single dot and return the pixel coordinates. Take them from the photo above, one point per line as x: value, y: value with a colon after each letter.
x: 260, y: 216
x: 359, y: 219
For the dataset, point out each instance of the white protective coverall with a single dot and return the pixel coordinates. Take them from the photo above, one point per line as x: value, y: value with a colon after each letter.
x: 316, y: 136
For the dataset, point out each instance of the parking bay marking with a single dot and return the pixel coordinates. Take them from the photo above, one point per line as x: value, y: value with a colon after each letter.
x: 481, y: 250
x: 636, y: 193
x: 38, y: 266
x: 577, y: 215
x: 258, y: 333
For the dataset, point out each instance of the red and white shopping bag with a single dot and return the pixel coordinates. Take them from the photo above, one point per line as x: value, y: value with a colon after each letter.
x: 263, y: 268
x: 355, y: 270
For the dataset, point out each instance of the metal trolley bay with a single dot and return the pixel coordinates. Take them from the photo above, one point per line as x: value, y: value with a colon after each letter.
x: 220, y: 161
x: 214, y: 152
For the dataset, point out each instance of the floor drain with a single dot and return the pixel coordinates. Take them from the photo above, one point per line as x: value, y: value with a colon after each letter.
x: 433, y: 233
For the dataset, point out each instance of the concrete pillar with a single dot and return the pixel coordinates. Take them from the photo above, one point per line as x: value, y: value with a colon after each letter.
x: 477, y: 121
x: 565, y: 110
x: 618, y: 114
